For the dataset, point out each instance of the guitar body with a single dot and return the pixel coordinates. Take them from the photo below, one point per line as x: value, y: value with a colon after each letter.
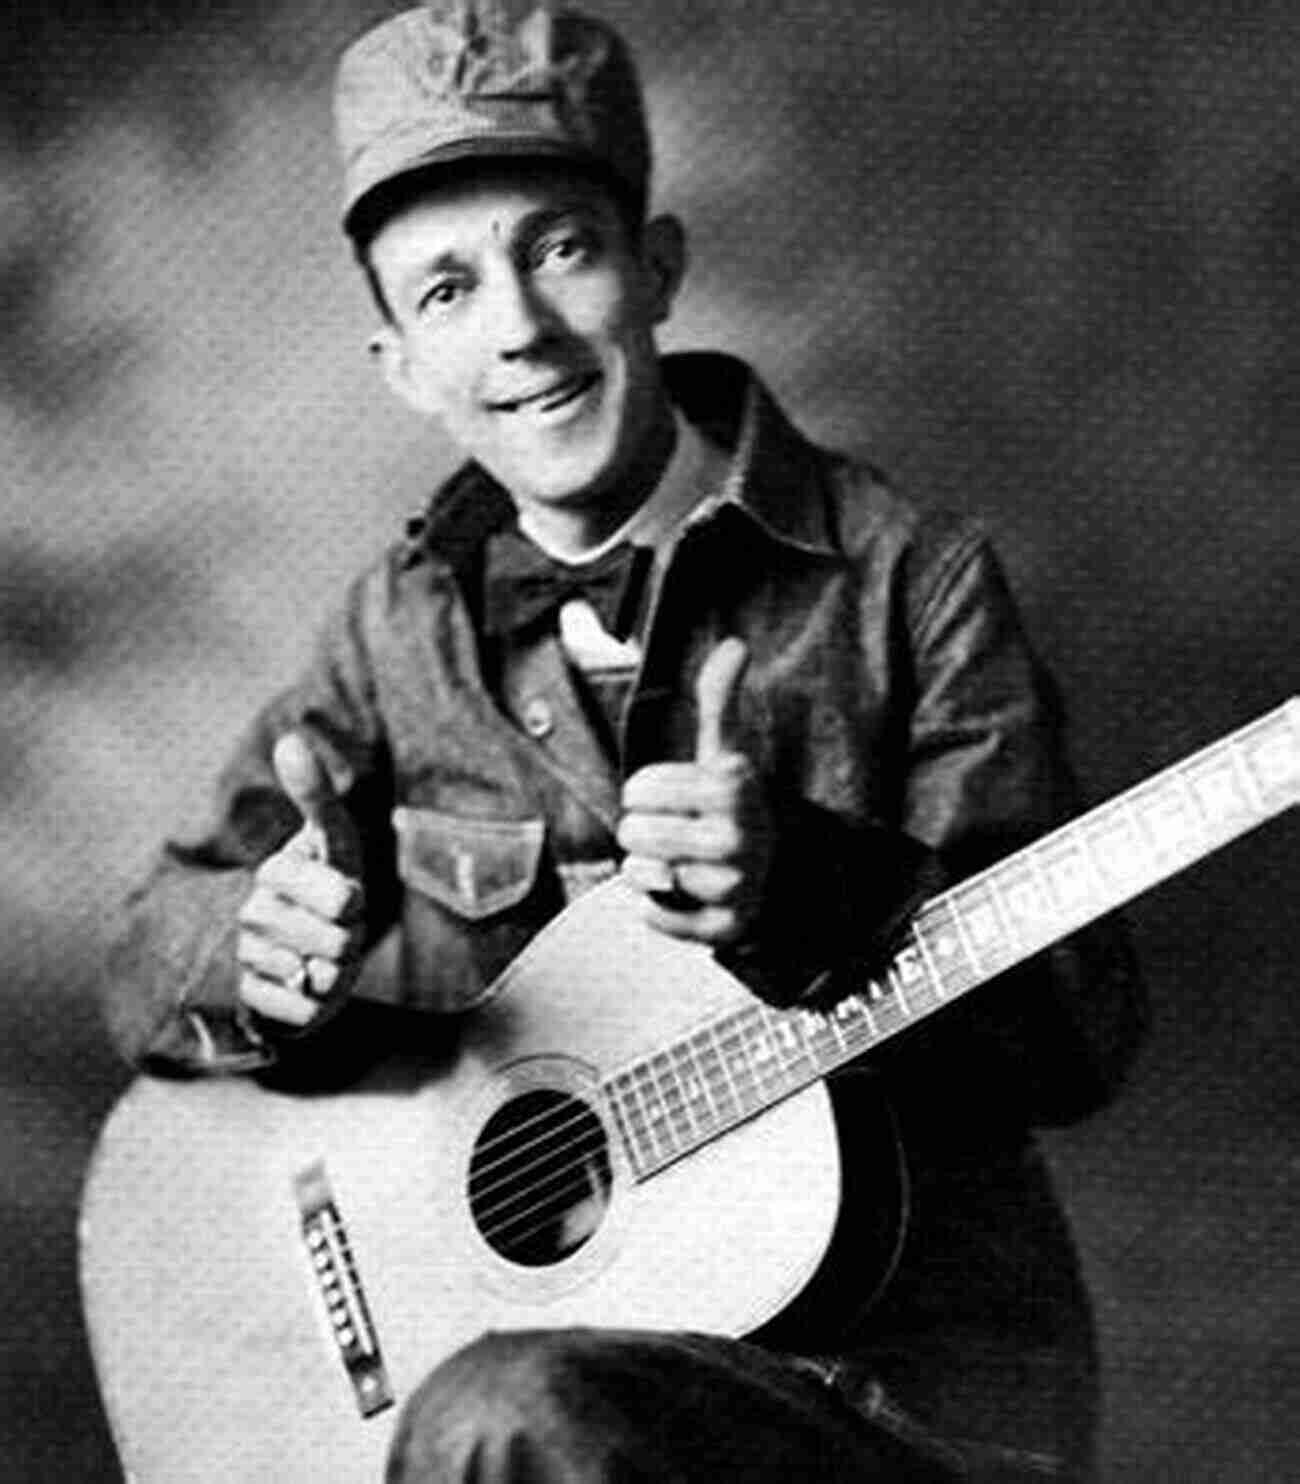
x: 210, y: 1324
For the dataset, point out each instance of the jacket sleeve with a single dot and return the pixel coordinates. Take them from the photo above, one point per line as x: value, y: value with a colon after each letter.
x: 169, y: 993
x: 988, y: 772
x: 982, y: 772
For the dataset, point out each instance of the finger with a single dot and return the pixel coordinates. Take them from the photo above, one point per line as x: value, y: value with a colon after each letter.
x: 676, y: 837
x: 685, y: 788
x: 268, y: 959
x: 710, y: 884
x: 647, y: 873
x: 716, y: 689
x: 323, y: 976
x: 293, y: 927
x: 311, y: 883
x: 328, y: 830
x: 302, y: 776
x: 714, y: 926
x: 276, y: 1002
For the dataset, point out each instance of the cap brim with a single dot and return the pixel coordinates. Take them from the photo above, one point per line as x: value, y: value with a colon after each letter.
x: 363, y: 216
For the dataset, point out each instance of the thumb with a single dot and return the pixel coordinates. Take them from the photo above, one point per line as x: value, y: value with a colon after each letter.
x: 716, y: 689
x: 301, y: 774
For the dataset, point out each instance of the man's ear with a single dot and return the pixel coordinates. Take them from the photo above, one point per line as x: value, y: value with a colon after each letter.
x: 663, y: 250
x: 387, y: 348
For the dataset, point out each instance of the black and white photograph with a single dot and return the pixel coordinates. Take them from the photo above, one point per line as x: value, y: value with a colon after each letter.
x: 650, y: 714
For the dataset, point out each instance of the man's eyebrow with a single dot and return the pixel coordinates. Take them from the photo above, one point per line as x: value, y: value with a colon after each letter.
x: 545, y: 217
x: 447, y: 261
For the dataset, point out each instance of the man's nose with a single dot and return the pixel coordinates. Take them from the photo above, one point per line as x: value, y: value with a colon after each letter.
x: 517, y: 317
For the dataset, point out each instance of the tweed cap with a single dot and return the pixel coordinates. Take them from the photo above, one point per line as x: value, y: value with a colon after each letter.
x: 462, y: 79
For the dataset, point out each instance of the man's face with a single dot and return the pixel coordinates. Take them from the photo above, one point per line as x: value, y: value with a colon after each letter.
x: 523, y: 318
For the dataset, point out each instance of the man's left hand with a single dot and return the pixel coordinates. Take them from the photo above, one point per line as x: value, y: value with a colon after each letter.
x: 699, y: 835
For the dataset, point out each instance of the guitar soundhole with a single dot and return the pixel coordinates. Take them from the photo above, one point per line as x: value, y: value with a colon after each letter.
x: 540, y: 1178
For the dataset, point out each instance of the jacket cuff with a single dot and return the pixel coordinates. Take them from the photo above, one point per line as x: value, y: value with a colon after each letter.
x: 171, y: 998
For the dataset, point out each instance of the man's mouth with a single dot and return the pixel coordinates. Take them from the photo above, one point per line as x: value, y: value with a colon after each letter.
x: 552, y: 396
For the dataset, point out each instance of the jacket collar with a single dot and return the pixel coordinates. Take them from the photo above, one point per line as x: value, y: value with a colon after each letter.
x: 775, y: 476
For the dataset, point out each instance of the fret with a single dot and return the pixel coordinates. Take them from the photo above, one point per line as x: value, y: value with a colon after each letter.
x: 762, y: 1055
x: 1218, y: 786
x: 821, y: 1037
x: 694, y: 1088
x: 855, y: 1022
x: 674, y: 1099
x: 639, y: 1143
x: 1118, y: 848
x: 1068, y: 873
x: 736, y: 1064
x: 1101, y: 892
x: 898, y: 988
x: 1163, y: 814
x: 1196, y: 809
x: 661, y: 1132
x: 915, y: 978
x: 787, y: 1033
x: 1026, y: 901
x: 1248, y: 780
x: 831, y: 1021
x: 933, y: 978
x: 614, y: 1102
x: 947, y: 948
x: 1273, y: 758
x: 888, y: 1003
x: 976, y: 912
x: 717, y: 1076
x: 1014, y: 939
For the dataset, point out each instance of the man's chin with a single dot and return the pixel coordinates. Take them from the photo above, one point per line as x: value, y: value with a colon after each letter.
x: 576, y: 489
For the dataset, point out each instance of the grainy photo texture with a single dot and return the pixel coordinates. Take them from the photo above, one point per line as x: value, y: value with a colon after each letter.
x: 1031, y: 271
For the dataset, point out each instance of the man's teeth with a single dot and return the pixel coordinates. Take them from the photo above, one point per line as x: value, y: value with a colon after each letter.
x: 554, y: 397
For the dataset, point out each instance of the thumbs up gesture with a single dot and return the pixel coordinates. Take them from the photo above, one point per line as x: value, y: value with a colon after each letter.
x: 300, y: 926
x: 698, y: 835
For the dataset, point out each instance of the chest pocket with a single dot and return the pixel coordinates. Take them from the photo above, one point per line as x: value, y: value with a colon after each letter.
x: 475, y: 893
x: 474, y: 867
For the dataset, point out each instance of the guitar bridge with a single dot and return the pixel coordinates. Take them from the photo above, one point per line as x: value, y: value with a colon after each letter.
x: 330, y: 1255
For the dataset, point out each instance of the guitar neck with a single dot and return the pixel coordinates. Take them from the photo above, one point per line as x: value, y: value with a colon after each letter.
x: 679, y: 1098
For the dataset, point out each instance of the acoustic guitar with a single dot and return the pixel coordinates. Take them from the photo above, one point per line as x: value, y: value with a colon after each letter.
x: 620, y: 1136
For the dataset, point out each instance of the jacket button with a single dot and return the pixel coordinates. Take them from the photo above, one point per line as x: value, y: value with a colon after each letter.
x: 539, y: 720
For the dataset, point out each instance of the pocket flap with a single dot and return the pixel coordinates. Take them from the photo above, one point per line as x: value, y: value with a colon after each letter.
x: 475, y: 867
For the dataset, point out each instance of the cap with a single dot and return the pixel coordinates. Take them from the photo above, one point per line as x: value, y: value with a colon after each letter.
x: 463, y: 79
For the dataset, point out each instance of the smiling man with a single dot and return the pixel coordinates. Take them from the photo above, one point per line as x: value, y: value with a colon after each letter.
x: 648, y: 629
x: 522, y: 316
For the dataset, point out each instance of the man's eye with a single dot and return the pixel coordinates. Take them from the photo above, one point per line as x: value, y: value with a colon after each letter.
x: 441, y: 295
x: 566, y: 251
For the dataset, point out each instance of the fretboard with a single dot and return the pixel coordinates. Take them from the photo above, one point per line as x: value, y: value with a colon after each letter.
x: 679, y: 1098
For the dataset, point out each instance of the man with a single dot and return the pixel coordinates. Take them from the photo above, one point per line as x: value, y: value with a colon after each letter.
x: 648, y: 628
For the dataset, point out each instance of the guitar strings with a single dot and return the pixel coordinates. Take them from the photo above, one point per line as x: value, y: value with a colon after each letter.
x: 732, y: 1033
x: 745, y: 1091
x: 556, y: 1213
x: 509, y: 1142
x: 494, y: 1219
x: 480, y: 1187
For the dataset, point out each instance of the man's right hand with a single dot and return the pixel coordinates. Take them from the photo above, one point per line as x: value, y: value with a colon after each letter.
x: 300, y: 927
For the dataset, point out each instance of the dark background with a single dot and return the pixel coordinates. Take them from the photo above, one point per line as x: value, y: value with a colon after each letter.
x: 1042, y: 260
